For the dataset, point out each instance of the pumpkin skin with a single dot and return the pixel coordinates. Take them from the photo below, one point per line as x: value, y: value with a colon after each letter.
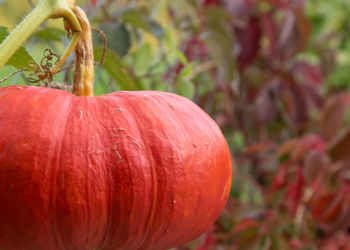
x: 127, y: 170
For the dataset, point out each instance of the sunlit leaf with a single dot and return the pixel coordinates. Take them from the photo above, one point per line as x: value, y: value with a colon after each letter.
x: 141, y: 59
x: 21, y: 59
x: 117, y: 70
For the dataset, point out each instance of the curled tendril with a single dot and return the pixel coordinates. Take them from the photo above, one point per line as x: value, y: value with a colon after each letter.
x: 100, y: 32
x: 49, y: 60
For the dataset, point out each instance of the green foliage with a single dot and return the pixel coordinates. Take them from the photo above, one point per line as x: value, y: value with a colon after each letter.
x: 118, y: 38
x: 116, y: 69
x: 139, y: 18
x: 21, y: 59
x: 50, y: 33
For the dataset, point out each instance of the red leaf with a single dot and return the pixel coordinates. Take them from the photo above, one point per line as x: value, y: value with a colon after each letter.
x: 334, y: 115
x: 337, y: 242
x: 280, y: 179
x: 270, y: 31
x: 287, y: 29
x: 295, y: 191
x: 288, y: 147
x: 277, y: 3
x: 247, y: 233
x: 316, y: 166
x: 259, y: 147
x: 340, y: 149
x: 193, y: 49
x: 245, y: 224
x: 297, y: 106
x: 294, y: 33
x: 208, y: 242
x: 314, y: 142
x: 295, y: 244
x: 303, y: 28
x: 326, y: 208
x: 94, y: 2
x: 312, y: 96
x: 306, y: 144
x: 311, y: 74
x: 249, y: 41
x: 207, y: 3
x: 265, y: 108
x: 240, y: 8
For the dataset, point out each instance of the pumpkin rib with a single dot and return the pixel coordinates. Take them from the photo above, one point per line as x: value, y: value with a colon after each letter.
x: 55, y: 168
x: 108, y: 103
x: 155, y: 172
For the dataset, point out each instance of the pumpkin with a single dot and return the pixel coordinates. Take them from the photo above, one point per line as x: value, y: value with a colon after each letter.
x: 127, y: 170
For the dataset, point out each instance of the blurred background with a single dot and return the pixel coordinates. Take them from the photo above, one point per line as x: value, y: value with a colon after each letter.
x: 274, y: 74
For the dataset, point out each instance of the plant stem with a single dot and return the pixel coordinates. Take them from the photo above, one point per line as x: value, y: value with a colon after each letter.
x: 84, y: 58
x: 44, y: 10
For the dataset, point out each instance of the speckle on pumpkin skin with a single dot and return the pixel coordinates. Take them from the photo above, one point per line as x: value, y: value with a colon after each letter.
x: 116, y: 110
x: 81, y: 113
x: 172, y: 106
x: 133, y: 140
x: 99, y: 152
x: 118, y: 155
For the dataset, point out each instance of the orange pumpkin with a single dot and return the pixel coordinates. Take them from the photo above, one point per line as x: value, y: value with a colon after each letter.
x: 127, y: 170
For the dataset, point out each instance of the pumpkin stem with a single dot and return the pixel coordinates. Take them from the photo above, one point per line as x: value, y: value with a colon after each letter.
x: 83, y: 79
x: 44, y: 10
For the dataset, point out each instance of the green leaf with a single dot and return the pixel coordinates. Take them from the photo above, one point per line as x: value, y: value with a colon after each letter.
x: 219, y: 39
x: 118, y: 38
x: 186, y: 70
x: 185, y: 88
x: 141, y: 59
x: 155, y: 28
x: 117, y: 70
x: 50, y: 33
x: 138, y: 17
x: 21, y: 59
x: 181, y: 56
